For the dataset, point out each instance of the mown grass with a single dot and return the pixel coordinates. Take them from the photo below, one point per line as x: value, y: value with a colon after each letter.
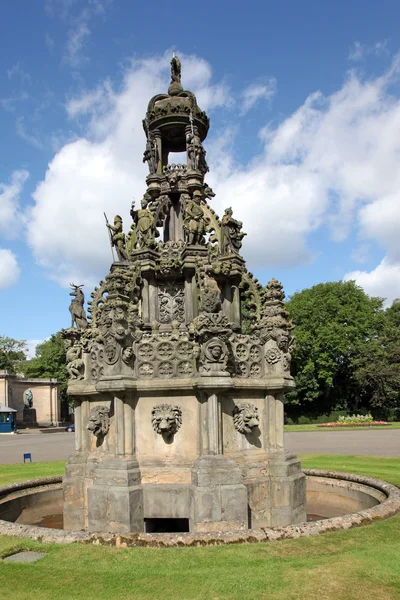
x: 359, y: 564
x: 314, y: 427
x: 24, y: 471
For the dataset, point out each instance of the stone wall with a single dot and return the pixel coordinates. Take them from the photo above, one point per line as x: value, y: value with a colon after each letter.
x: 46, y: 398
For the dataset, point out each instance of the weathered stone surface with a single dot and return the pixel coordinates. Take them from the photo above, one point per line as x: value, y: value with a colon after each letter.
x: 388, y: 495
x: 24, y: 557
x: 172, y: 387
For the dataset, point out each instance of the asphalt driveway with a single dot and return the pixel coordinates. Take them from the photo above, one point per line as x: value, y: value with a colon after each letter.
x: 60, y: 445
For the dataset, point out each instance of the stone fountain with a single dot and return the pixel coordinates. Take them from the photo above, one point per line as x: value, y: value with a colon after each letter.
x: 178, y: 376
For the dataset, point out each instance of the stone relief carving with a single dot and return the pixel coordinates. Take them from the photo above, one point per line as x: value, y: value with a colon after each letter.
x: 99, y: 420
x: 213, y: 358
x: 171, y: 299
x: 166, y: 419
x: 75, y: 363
x: 245, y: 417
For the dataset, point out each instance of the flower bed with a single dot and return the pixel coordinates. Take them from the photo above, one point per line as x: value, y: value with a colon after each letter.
x: 344, y: 425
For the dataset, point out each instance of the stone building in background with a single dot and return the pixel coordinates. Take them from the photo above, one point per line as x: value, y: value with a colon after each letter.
x: 37, y: 401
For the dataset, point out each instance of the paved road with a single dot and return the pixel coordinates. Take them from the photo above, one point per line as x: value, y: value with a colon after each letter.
x: 42, y: 446
x: 59, y: 446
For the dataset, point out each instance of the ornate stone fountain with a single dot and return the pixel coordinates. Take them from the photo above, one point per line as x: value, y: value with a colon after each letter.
x: 178, y: 377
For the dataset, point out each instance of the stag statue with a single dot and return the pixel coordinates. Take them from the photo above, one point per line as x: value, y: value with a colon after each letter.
x: 76, y: 309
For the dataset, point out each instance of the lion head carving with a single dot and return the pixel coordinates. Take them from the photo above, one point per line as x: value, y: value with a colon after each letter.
x: 245, y: 417
x: 166, y: 418
x: 99, y: 420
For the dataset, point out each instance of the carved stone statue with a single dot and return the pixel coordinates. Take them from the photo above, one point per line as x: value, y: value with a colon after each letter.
x: 194, y: 222
x: 99, y: 421
x: 76, y: 309
x: 118, y: 238
x: 231, y: 234
x: 245, y: 417
x: 132, y: 235
x: 75, y: 364
x: 146, y: 225
x: 166, y: 419
x: 175, y: 69
x: 28, y: 398
x: 196, y: 155
x: 151, y: 154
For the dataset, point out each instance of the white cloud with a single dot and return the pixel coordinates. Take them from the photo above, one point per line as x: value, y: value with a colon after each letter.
x: 358, y: 51
x: 10, y: 216
x: 77, y: 38
x: 256, y: 92
x: 332, y: 163
x: 9, y: 269
x: 383, y: 281
x: 17, y: 71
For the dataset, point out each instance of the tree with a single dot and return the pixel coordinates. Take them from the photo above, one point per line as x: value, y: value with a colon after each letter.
x: 49, y: 362
x: 338, y: 327
x: 12, y: 352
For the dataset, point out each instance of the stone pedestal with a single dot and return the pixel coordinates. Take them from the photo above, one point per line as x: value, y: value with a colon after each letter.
x: 116, y: 497
x: 219, y: 498
x: 29, y: 416
x: 276, y: 495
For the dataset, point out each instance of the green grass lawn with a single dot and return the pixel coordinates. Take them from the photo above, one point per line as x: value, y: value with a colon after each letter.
x: 359, y: 564
x: 313, y: 427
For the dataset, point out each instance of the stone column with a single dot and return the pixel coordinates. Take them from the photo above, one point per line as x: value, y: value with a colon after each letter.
x: 78, y: 424
x: 119, y: 413
x: 236, y: 317
x: 128, y: 421
x: 157, y: 135
x: 145, y: 301
x: 213, y: 424
x: 189, y: 308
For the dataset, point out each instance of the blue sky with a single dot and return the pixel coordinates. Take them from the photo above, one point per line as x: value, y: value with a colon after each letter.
x: 304, y: 101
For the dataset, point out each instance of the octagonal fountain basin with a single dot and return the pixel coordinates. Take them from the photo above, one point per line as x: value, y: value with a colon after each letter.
x: 335, y: 501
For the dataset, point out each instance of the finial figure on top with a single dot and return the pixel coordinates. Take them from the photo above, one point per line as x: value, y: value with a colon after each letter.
x: 175, y: 69
x: 176, y: 87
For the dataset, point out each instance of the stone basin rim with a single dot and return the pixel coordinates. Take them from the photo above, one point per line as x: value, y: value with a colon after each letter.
x: 384, y: 510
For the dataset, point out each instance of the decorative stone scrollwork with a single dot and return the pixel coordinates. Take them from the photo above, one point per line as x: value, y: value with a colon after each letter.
x: 99, y: 421
x: 272, y: 355
x: 146, y: 351
x: 245, y: 417
x: 111, y: 350
x: 171, y: 299
x: 165, y: 369
x: 185, y: 368
x: 146, y: 370
x: 166, y: 419
x: 165, y: 350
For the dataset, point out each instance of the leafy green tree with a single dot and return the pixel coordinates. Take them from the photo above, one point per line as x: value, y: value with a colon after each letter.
x: 339, y: 334
x: 49, y: 362
x: 12, y: 352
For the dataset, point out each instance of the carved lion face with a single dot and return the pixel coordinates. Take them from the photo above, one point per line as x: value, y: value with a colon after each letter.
x: 99, y: 420
x: 166, y: 418
x: 245, y: 417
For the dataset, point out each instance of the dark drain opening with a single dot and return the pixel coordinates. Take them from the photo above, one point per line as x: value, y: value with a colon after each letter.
x: 166, y: 525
